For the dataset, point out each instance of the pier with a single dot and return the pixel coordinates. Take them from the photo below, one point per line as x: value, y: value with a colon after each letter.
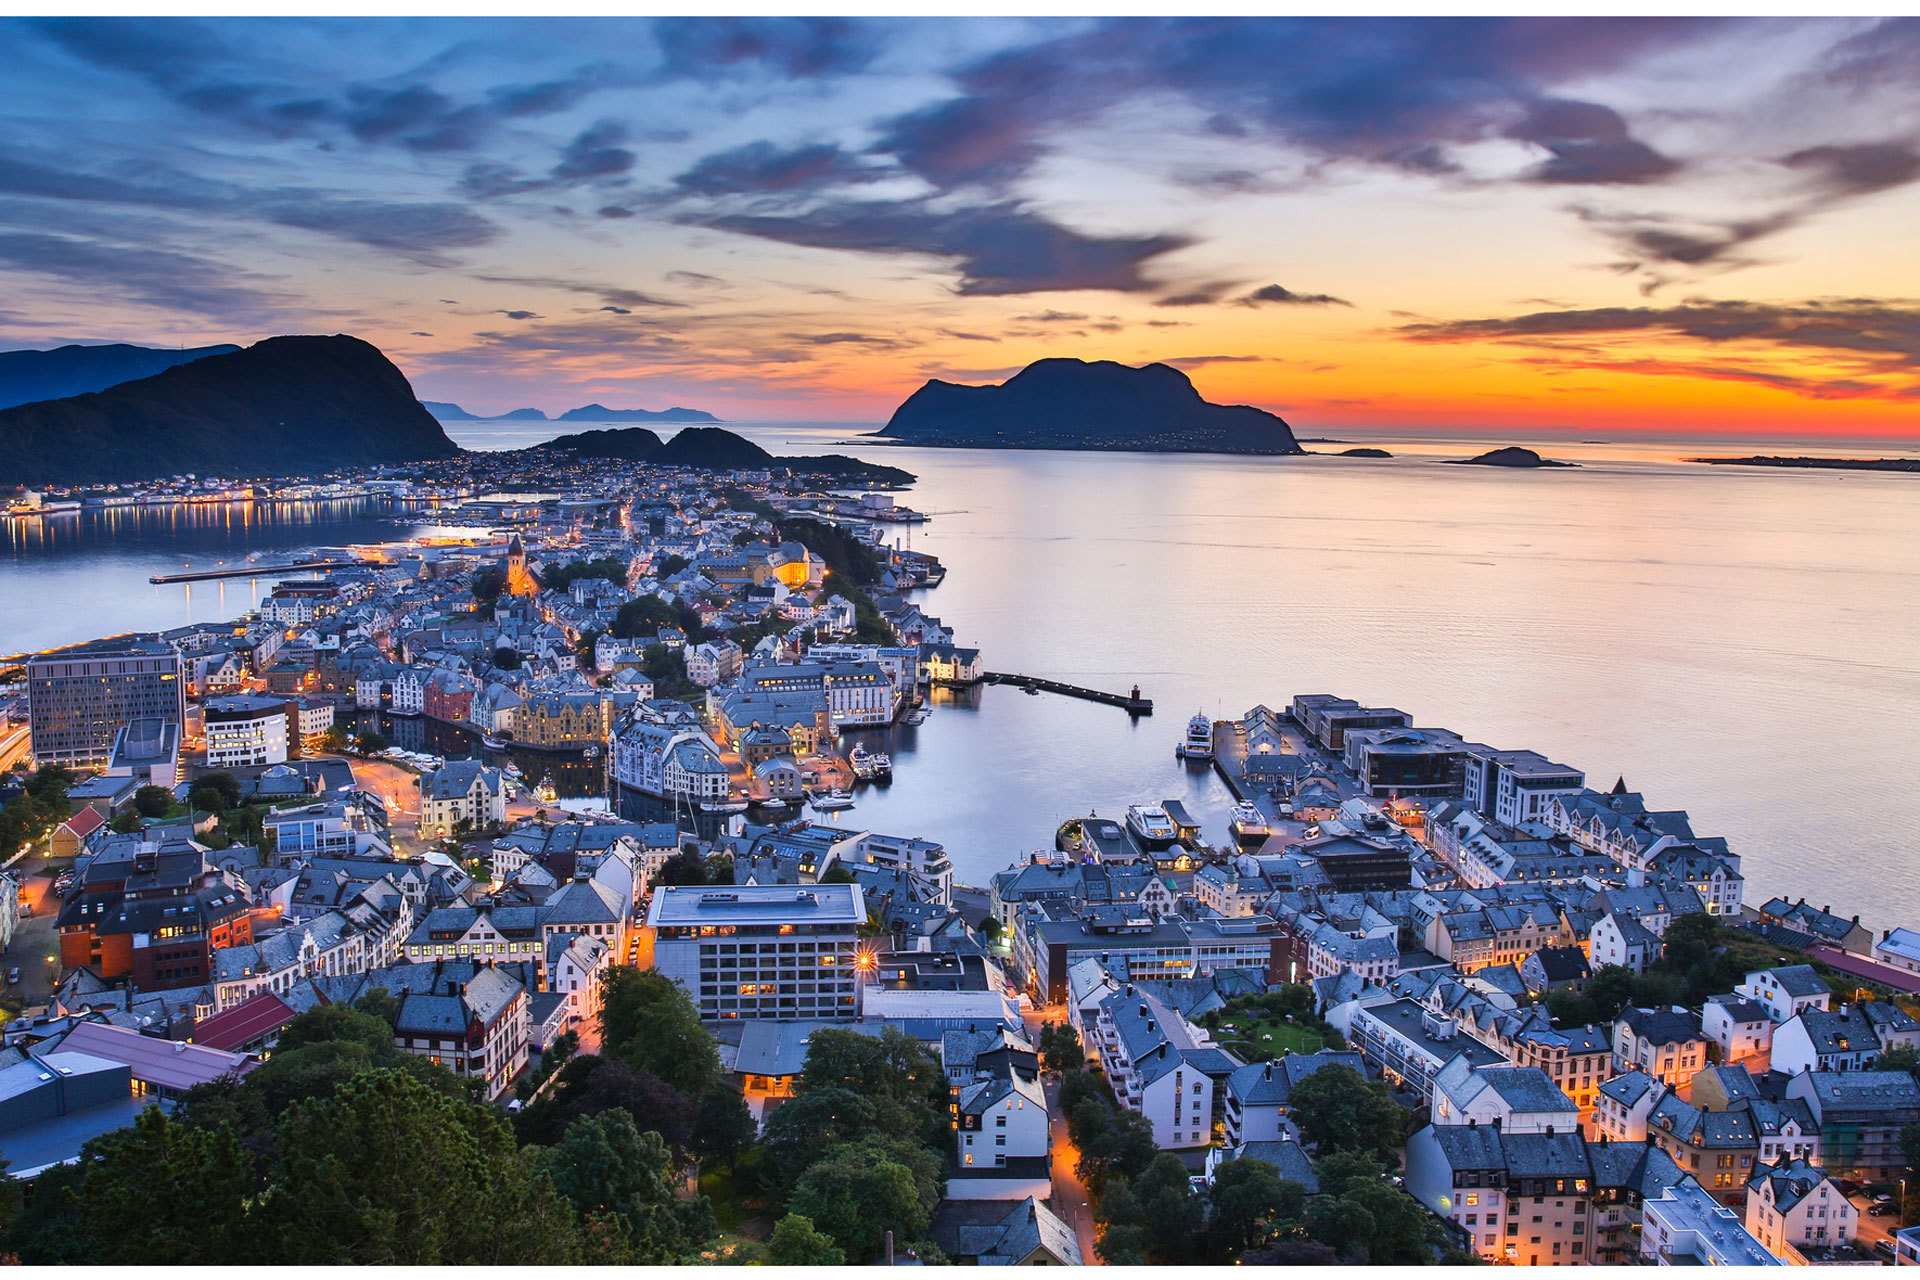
x: 1133, y: 704
x: 251, y: 571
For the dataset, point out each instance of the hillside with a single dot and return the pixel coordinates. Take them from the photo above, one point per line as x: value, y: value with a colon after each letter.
x: 284, y: 406
x: 600, y: 413
x: 27, y: 376
x: 1077, y: 404
x: 714, y: 449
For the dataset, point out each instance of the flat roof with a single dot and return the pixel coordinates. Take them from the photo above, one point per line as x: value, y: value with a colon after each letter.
x: 815, y: 904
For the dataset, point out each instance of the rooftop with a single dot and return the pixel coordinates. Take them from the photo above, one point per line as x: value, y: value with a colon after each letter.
x: 820, y: 904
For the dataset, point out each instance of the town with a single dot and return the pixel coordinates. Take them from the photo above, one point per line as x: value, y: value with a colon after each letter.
x: 533, y: 847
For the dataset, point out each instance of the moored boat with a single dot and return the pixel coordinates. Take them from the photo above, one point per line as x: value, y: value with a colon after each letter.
x: 1151, y: 826
x: 1248, y: 823
x: 1198, y: 744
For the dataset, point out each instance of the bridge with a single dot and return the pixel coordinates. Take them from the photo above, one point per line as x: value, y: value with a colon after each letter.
x: 251, y: 571
x: 1133, y: 704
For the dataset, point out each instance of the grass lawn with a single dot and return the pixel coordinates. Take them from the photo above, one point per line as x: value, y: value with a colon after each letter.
x: 1273, y: 1035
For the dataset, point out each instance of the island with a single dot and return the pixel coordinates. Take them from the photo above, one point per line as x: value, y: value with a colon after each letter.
x: 600, y: 413
x: 1365, y: 451
x: 1510, y: 456
x: 1080, y: 404
x: 295, y: 405
x: 716, y: 449
x: 1817, y: 464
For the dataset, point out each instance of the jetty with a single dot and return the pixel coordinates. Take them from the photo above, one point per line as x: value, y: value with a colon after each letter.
x: 1132, y: 703
x: 251, y: 571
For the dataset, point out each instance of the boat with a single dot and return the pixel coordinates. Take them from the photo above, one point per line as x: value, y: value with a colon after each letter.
x: 1151, y: 826
x: 592, y: 751
x: 545, y: 791
x: 511, y: 769
x: 490, y: 742
x: 1027, y: 688
x: 1198, y: 744
x: 870, y: 766
x: 831, y: 801
x: 1248, y: 823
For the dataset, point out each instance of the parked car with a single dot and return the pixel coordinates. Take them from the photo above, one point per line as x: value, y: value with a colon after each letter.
x: 13, y: 976
x: 1884, y: 1249
x: 1882, y: 1209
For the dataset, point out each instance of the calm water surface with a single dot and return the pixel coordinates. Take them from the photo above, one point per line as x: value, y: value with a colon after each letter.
x: 1741, y: 643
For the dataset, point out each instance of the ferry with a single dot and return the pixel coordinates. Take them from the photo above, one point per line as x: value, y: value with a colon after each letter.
x: 1248, y: 823
x: 1151, y: 826
x: 831, y: 801
x: 545, y: 791
x: 1198, y: 744
x: 870, y: 766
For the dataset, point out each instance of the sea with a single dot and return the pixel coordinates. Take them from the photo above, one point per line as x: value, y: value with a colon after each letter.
x: 1741, y: 643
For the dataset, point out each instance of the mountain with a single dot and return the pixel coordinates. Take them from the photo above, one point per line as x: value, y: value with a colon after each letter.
x: 712, y: 449
x: 1079, y: 404
x: 632, y: 444
x: 27, y: 376
x: 454, y: 413
x: 600, y: 413
x: 294, y: 405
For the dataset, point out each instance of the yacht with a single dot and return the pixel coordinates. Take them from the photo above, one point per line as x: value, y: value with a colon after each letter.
x: 1248, y: 823
x: 591, y: 751
x: 1151, y: 826
x: 1198, y: 744
x: 491, y: 743
x: 831, y: 801
x: 545, y: 791
x: 870, y: 766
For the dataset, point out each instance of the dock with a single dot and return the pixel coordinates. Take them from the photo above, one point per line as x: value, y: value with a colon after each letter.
x: 1133, y: 704
x: 251, y: 571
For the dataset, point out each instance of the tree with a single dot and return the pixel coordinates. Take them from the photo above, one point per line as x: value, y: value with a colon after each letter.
x: 1902, y: 1059
x: 1060, y: 1047
x: 389, y: 1172
x: 796, y: 1243
x: 1172, y: 1215
x: 152, y: 801
x: 803, y: 1129
x: 647, y: 1021
x: 506, y: 658
x: 158, y: 1189
x: 1338, y: 1109
x: 895, y: 1073
x: 334, y: 740
x: 683, y: 868
x: 643, y: 617
x: 668, y: 565
x: 49, y: 1230
x: 606, y: 1167
x: 724, y: 1126
x: 127, y: 823
x: 225, y: 783
x: 590, y: 1085
x: 1250, y: 1202
x: 487, y: 583
x: 856, y: 1194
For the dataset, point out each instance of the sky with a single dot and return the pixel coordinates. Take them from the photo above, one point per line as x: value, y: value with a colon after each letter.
x: 1607, y: 224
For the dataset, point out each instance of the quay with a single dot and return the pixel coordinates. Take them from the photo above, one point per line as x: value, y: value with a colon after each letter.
x: 1133, y: 704
x: 251, y: 571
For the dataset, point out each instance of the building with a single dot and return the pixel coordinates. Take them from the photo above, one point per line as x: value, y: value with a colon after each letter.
x: 1898, y: 949
x: 153, y: 913
x: 1513, y: 1099
x: 1740, y: 1027
x: 1327, y: 719
x: 1794, y: 1206
x: 1667, y: 1044
x: 1000, y: 1123
x: 1161, y: 1066
x: 1849, y: 1039
x: 1860, y: 1114
x: 1687, y: 1227
x: 761, y: 952
x: 148, y: 751
x: 79, y: 697
x: 1619, y: 939
x: 1521, y: 1198
x: 1257, y: 1094
x: 1406, y: 762
x: 1410, y: 1045
x: 1578, y: 1059
x: 471, y: 1017
x: 1786, y: 991
x: 246, y: 730
x: 462, y: 790
x: 1513, y: 787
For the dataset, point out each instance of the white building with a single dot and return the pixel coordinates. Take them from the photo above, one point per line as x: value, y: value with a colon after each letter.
x: 1740, y: 1027
x: 761, y: 951
x: 1518, y: 1099
x: 461, y: 789
x: 1685, y: 1226
x: 1787, y: 990
x: 409, y: 692
x: 245, y: 730
x: 1513, y: 787
x: 1849, y: 1039
x: 1161, y: 1066
x: 1899, y: 949
x: 998, y: 1121
x: 1619, y: 939
x: 1794, y: 1205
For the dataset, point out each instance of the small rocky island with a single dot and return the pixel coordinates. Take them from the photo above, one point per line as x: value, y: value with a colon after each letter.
x: 1817, y: 464
x: 1365, y: 451
x: 1510, y: 456
x: 1080, y: 404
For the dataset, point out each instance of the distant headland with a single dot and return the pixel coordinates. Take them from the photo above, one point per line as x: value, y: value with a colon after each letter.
x: 1817, y: 464
x: 1079, y: 404
x: 1510, y: 456
x: 448, y: 412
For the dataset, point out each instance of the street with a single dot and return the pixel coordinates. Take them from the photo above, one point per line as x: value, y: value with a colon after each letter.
x: 1872, y: 1229
x: 1071, y: 1199
x: 34, y: 938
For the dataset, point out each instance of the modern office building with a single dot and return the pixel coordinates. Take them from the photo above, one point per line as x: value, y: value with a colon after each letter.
x: 751, y: 951
x: 79, y: 697
x: 247, y: 729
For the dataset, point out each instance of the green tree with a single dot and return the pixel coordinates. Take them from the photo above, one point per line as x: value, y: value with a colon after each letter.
x: 895, y: 1073
x: 152, y: 801
x: 1060, y: 1048
x: 334, y: 740
x: 1902, y: 1059
x: 225, y: 783
x: 1250, y: 1204
x: 126, y: 823
x: 856, y: 1194
x: 50, y: 1228
x: 389, y: 1172
x: 724, y: 1127
x: 647, y: 1021
x: 158, y: 1189
x: 1171, y: 1213
x: 1338, y: 1109
x: 796, y: 1243
x: 606, y: 1167
x: 803, y: 1129
x: 1403, y: 1233
x: 368, y: 743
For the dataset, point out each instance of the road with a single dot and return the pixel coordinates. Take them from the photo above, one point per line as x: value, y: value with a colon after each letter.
x: 1872, y: 1229
x: 34, y: 938
x: 1071, y: 1199
x: 12, y: 746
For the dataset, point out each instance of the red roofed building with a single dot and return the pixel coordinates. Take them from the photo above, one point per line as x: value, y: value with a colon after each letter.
x: 71, y: 836
x: 1867, y: 970
x: 252, y: 1025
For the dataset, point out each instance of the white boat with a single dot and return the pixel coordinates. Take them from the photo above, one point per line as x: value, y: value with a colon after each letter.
x: 870, y: 766
x: 1248, y: 823
x: 491, y: 743
x: 592, y: 751
x: 546, y: 791
x: 1198, y: 744
x: 1151, y: 826
x: 831, y: 801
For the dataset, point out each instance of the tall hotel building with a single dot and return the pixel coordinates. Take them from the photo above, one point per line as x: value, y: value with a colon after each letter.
x: 761, y: 951
x: 79, y: 697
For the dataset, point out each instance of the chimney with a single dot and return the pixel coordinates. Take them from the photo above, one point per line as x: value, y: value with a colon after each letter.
x: 1549, y: 1131
x: 1269, y: 1072
x: 1473, y: 1122
x: 1496, y: 1124
x: 1149, y: 1024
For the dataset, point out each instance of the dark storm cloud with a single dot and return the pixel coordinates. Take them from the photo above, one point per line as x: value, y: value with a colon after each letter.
x: 998, y: 249
x: 1281, y: 295
x: 1590, y: 144
x: 1883, y: 331
x: 619, y: 311
x: 762, y: 167
x: 1861, y: 169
